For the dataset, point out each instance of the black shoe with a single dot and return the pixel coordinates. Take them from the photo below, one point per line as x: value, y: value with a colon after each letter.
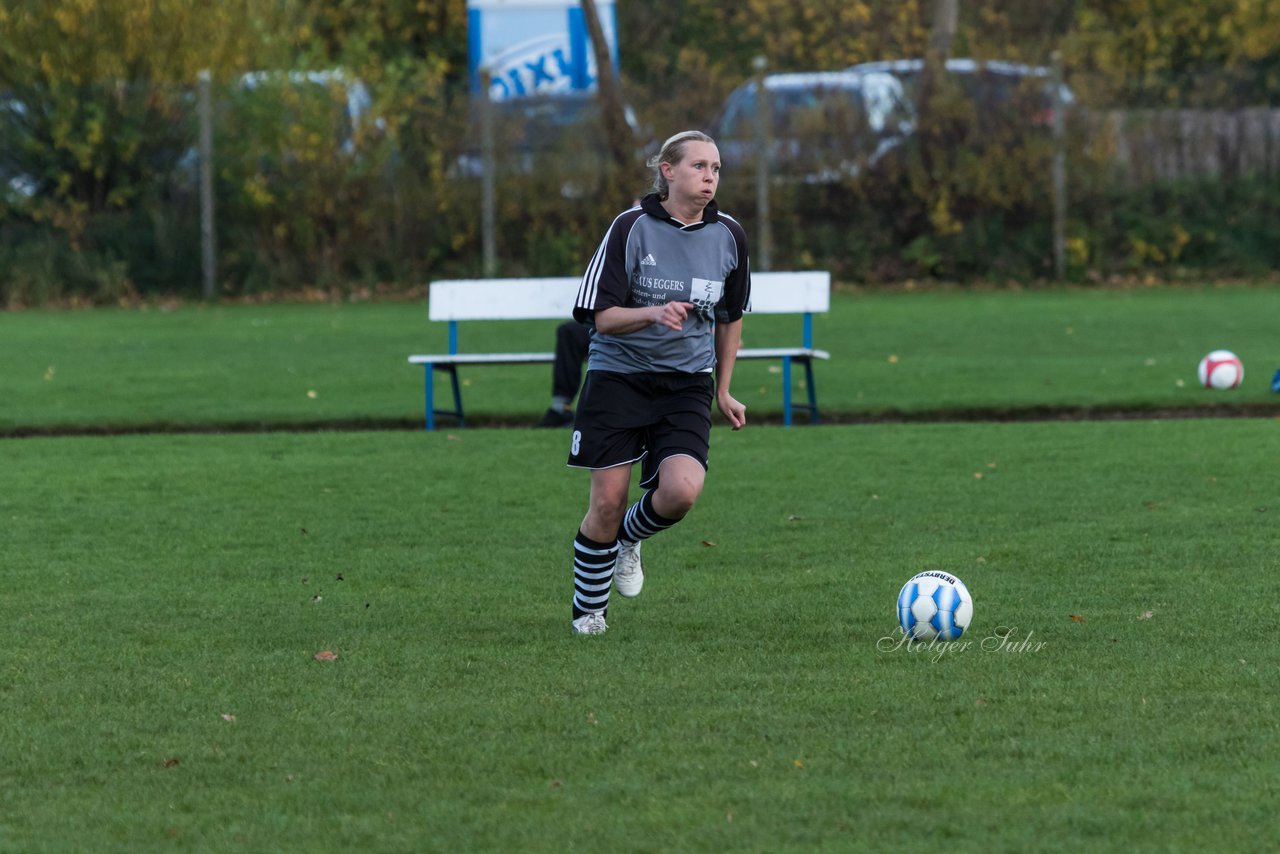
x: 556, y: 418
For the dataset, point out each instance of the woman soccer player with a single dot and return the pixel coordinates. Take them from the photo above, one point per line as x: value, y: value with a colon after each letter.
x: 664, y: 295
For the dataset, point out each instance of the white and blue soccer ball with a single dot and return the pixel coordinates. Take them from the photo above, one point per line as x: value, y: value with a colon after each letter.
x: 934, y: 605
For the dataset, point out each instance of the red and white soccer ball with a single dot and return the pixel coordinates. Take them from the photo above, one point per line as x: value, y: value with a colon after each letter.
x: 1221, y: 370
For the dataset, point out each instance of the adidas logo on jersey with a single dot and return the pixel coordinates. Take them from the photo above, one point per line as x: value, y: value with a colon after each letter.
x: 647, y: 261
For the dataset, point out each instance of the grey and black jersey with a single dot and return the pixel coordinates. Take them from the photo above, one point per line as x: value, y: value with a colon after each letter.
x: 649, y: 258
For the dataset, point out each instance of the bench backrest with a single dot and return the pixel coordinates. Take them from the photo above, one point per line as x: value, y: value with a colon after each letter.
x: 549, y: 298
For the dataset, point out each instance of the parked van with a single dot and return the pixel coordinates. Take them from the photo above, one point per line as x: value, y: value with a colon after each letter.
x: 829, y: 125
x: 1006, y: 91
x: 823, y: 125
x: 349, y: 96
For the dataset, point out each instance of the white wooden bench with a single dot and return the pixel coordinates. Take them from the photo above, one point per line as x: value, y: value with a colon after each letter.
x: 456, y: 300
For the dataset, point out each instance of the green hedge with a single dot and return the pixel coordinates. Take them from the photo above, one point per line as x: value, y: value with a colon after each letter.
x: 960, y: 201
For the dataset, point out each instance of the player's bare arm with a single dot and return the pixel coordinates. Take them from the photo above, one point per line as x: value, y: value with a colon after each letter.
x: 728, y: 339
x: 620, y: 321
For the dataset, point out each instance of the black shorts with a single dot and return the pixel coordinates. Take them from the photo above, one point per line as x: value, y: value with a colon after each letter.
x: 623, y: 418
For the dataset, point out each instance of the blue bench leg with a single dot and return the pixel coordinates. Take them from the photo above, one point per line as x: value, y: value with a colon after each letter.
x: 457, y: 396
x: 813, y: 392
x: 786, y: 391
x: 429, y: 370
x: 430, y: 393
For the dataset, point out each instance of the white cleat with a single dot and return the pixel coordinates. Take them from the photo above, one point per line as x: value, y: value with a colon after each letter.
x: 628, y: 574
x: 589, y: 624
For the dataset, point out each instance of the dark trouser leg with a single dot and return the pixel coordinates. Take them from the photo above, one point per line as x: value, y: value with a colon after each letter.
x: 572, y: 339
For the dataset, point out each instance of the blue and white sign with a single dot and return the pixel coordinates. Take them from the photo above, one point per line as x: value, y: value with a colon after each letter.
x: 535, y: 46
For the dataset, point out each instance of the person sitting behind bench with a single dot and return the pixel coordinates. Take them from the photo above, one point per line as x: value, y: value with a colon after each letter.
x: 572, y: 341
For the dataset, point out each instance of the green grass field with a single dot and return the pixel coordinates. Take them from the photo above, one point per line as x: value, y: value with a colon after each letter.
x: 912, y: 353
x: 165, y: 597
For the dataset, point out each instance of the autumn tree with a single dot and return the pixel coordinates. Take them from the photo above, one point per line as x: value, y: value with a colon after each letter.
x: 100, y: 89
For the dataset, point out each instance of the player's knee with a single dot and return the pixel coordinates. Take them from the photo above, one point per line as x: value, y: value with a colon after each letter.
x: 677, y: 497
x: 607, y: 511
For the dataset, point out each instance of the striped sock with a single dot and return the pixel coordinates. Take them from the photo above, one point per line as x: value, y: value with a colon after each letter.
x: 642, y: 521
x: 592, y: 574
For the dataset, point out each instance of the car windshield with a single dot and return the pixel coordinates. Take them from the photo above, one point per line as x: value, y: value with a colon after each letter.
x: 801, y: 110
x: 799, y: 105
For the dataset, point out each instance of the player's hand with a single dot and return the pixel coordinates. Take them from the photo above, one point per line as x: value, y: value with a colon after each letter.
x: 733, y: 410
x: 673, y: 314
